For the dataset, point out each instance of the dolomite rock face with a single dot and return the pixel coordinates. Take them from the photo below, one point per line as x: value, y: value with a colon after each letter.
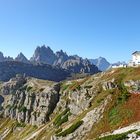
x: 13, y: 84
x: 27, y: 105
x: 90, y: 119
x: 33, y: 108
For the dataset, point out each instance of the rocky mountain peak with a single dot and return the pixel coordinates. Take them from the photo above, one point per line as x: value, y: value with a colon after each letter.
x: 61, y: 53
x: 44, y: 55
x: 2, y: 58
x: 101, y: 63
x: 21, y: 58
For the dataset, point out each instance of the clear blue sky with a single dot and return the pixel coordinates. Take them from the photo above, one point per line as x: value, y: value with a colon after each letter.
x: 89, y: 28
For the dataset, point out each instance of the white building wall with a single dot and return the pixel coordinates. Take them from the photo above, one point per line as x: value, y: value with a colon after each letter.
x: 136, y: 59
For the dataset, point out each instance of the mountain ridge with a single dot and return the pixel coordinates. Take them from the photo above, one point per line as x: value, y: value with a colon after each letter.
x: 45, y: 55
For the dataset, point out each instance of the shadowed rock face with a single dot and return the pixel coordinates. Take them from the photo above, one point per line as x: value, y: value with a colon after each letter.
x: 1, y: 57
x: 1, y: 100
x: 10, y: 69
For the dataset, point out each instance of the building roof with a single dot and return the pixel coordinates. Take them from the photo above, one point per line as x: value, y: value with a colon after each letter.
x: 136, y: 52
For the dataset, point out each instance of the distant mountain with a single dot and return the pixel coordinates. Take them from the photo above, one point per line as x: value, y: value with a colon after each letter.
x: 10, y: 69
x: 75, y: 64
x: 80, y: 66
x: 101, y: 63
x: 43, y: 55
x: 1, y: 57
x: 119, y: 63
x: 22, y: 58
x: 45, y: 64
x: 61, y: 57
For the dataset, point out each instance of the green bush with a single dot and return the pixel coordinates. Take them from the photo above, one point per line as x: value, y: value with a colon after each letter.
x: 23, y: 88
x: 78, y: 87
x: 41, y: 89
x: 88, y: 86
x: 61, y: 118
x: 11, y: 107
x: 138, y: 133
x: 22, y: 109
x: 29, y: 88
x: 71, y: 129
x: 124, y: 95
x: 64, y: 87
x: 58, y: 131
x: 8, y: 106
x: 100, y: 100
x: 20, y: 124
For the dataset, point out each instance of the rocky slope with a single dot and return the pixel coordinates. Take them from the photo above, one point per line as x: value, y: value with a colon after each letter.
x: 28, y: 105
x: 104, y: 106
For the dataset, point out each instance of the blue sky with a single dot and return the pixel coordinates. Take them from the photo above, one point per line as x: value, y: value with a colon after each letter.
x: 89, y: 28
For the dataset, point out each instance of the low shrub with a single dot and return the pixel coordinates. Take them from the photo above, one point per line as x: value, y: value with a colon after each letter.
x: 71, y: 129
x: 41, y: 89
x: 138, y: 133
x: 62, y: 118
x: 58, y: 131
x: 28, y: 88
x: 20, y: 124
x: 22, y: 109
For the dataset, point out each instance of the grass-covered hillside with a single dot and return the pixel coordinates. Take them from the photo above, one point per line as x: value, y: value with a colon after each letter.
x: 82, y: 109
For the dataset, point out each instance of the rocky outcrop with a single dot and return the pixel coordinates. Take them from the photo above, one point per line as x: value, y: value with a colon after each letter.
x: 135, y: 85
x: 109, y: 85
x: 27, y: 105
x: 90, y: 119
x: 13, y: 85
